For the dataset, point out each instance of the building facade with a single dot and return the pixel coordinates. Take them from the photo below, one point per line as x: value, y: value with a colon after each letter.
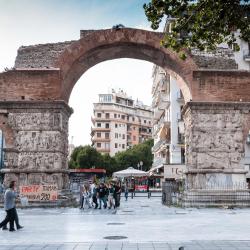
x: 119, y: 122
x: 168, y: 130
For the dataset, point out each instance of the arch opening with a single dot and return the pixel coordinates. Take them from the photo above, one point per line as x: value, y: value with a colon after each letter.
x: 106, y: 45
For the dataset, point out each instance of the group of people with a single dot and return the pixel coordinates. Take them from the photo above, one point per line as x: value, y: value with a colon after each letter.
x: 103, y: 195
x: 10, y: 196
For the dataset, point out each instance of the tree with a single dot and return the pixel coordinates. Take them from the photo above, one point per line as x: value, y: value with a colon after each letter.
x: 109, y: 163
x: 205, y: 23
x: 131, y: 157
x: 85, y: 157
x: 88, y: 157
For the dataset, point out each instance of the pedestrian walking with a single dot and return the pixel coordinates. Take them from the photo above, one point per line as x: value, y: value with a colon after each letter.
x: 117, y: 194
x: 101, y: 194
x: 126, y: 192
x: 94, y: 195
x: 10, y: 208
x: 111, y: 191
x: 85, y: 197
x: 81, y: 196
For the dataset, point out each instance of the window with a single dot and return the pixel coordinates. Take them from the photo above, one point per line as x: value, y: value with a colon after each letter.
x: 133, y: 119
x: 120, y: 135
x: 119, y: 145
x: 133, y: 128
x: 99, y: 124
x: 99, y: 134
x: 107, y: 125
x: 99, y: 115
x: 99, y: 145
x: 145, y: 121
x: 116, y: 135
x: 149, y: 122
x: 107, y: 115
x: 115, y: 145
x: 116, y: 125
x: 115, y: 115
x: 134, y: 138
x: 120, y: 125
x: 123, y: 117
x: 107, y: 146
x: 119, y: 115
x: 106, y: 135
x: 123, y: 136
x: 123, y: 146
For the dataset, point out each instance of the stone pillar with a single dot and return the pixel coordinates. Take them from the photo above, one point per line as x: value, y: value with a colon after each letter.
x: 215, y: 139
x: 40, y: 142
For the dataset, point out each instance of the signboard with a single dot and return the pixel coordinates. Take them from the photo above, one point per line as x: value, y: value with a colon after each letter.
x: 141, y: 187
x: 39, y: 192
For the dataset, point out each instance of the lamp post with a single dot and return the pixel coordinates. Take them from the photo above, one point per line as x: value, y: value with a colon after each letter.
x: 141, y: 164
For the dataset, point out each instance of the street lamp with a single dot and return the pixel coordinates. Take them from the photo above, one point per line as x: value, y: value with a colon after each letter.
x: 141, y: 163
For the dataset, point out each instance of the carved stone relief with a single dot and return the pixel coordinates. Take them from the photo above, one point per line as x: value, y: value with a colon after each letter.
x: 32, y: 121
x: 40, y: 141
x: 41, y: 161
x: 214, y: 138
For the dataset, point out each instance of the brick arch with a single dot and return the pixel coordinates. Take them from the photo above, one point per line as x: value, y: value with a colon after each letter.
x: 103, y: 45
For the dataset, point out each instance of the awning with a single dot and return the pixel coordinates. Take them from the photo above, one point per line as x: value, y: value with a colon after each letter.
x: 130, y: 172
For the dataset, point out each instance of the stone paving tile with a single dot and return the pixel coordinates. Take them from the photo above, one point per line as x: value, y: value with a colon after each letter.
x: 193, y: 245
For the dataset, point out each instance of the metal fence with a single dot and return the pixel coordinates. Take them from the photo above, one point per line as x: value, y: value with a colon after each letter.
x: 212, y: 195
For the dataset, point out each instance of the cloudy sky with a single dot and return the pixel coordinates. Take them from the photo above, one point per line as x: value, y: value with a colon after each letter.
x: 28, y: 22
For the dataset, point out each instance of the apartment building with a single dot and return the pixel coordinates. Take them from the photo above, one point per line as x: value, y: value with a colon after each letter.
x: 168, y: 129
x: 119, y: 122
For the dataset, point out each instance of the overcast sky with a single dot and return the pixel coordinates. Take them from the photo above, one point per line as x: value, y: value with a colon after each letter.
x: 28, y: 22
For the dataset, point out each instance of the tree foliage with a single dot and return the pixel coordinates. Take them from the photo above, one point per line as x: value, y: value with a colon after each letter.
x: 88, y: 157
x: 202, y: 24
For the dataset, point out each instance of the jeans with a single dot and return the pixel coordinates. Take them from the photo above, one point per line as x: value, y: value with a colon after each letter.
x: 102, y: 200
x: 10, y: 217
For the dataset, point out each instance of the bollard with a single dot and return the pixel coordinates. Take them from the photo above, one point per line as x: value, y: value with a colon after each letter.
x: 131, y: 195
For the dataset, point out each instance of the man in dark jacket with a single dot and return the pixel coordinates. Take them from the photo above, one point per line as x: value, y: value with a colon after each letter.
x: 101, y: 194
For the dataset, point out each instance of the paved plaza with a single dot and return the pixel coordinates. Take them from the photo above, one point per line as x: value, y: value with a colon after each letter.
x: 139, y: 223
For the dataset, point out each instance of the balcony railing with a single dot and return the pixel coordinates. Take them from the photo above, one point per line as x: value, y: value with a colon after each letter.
x: 158, y: 145
x: 159, y: 161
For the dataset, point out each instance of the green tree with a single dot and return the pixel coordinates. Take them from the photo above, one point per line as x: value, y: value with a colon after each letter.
x: 205, y: 23
x: 109, y: 163
x: 131, y: 157
x: 85, y: 157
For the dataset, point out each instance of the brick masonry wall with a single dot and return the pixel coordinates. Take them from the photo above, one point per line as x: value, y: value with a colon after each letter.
x: 30, y: 85
x: 221, y: 86
x: 40, y: 56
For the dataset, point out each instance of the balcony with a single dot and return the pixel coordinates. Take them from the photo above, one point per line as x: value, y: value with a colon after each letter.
x: 161, y: 100
x: 103, y: 150
x: 160, y: 145
x: 158, y: 113
x: 100, y: 139
x: 159, y: 161
x: 100, y: 129
x: 162, y: 129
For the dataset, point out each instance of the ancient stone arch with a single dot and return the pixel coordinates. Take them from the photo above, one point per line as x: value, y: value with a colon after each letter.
x: 36, y: 91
